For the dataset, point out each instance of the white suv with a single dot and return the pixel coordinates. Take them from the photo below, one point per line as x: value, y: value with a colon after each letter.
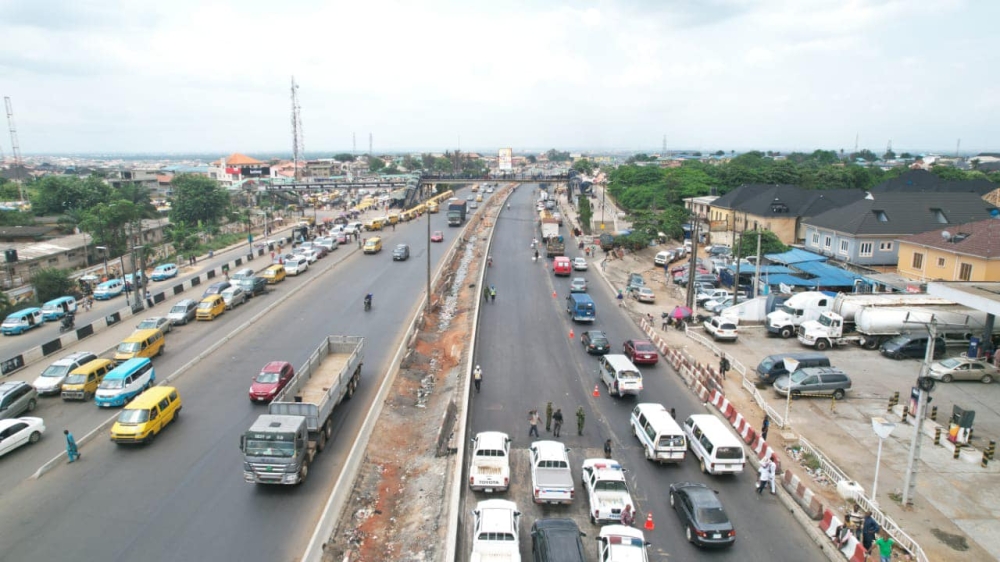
x: 722, y: 328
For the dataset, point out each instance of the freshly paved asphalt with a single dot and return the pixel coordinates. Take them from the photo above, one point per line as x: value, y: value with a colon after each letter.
x: 183, y: 497
x: 527, y: 357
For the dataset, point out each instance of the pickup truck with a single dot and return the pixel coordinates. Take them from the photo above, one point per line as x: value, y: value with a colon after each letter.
x: 495, y: 534
x: 551, y: 479
x: 604, y: 481
x: 489, y: 469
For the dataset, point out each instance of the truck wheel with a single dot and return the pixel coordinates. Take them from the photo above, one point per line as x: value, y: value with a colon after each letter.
x: 786, y: 332
x: 328, y: 429
x: 838, y: 394
x: 871, y: 343
x: 821, y: 345
x: 303, y: 473
x: 321, y: 441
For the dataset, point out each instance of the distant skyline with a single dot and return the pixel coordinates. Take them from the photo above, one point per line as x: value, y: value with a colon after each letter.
x: 213, y: 77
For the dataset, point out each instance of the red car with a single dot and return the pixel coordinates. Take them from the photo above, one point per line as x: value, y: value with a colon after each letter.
x: 438, y: 236
x: 641, y: 351
x: 270, y: 380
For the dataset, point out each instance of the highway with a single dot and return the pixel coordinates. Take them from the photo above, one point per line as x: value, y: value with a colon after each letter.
x: 183, y: 497
x: 528, y: 358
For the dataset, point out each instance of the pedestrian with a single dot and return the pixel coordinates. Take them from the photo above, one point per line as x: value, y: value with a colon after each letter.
x: 493, y: 294
x: 477, y: 378
x: 723, y: 366
x: 869, y: 529
x: 149, y: 301
x: 548, y: 416
x: 607, y: 449
x: 580, y: 417
x: 557, y: 421
x: 486, y: 294
x: 71, y: 450
x: 673, y: 413
x: 764, y: 427
x: 884, y: 545
x: 359, y: 241
x: 764, y: 475
x: 627, y: 516
x: 533, y: 420
x: 394, y: 227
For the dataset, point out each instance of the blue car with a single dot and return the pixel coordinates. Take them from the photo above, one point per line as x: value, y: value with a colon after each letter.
x: 109, y: 289
x: 165, y: 271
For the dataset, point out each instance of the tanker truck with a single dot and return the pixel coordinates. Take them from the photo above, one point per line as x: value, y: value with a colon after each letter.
x: 874, y: 325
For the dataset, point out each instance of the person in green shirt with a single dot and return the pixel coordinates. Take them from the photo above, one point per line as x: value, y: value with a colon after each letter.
x: 884, y: 546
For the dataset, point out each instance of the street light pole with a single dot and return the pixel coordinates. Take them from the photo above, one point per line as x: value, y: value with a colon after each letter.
x: 127, y: 303
x: 104, y: 249
x: 883, y: 429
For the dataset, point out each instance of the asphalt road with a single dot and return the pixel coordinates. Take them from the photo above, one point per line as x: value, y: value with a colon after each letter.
x: 183, y: 497
x: 528, y: 358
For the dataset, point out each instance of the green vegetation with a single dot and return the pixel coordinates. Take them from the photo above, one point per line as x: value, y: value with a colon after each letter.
x: 769, y: 244
x: 585, y: 212
x: 198, y: 201
x: 584, y: 166
x: 343, y: 157
x: 375, y: 164
x: 555, y: 156
x: 52, y: 283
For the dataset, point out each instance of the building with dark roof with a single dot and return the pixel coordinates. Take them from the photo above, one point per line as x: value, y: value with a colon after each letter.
x: 914, y: 181
x: 778, y: 208
x: 964, y: 252
x: 865, y: 232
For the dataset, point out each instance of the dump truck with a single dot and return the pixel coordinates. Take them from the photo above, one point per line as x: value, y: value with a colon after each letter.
x: 554, y: 243
x: 456, y: 213
x: 280, y: 445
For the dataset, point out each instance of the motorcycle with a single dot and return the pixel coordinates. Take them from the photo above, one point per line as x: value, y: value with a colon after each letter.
x: 67, y: 323
x: 368, y: 304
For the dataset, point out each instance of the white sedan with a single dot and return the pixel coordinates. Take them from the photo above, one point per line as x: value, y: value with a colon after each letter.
x: 310, y: 255
x: 579, y: 264
x: 15, y: 432
x: 645, y: 294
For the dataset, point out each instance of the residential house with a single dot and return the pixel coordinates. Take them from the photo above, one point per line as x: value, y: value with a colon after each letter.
x: 920, y: 181
x: 700, y: 206
x: 864, y: 233
x: 237, y: 167
x: 964, y: 252
x: 778, y: 208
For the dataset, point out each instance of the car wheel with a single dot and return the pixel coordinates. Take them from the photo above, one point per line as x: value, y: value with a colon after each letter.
x: 673, y: 503
x: 796, y: 394
x: 31, y: 405
x: 949, y: 378
x: 688, y: 535
x: 838, y: 394
x: 987, y: 379
x: 35, y: 436
x: 786, y: 332
x: 703, y: 467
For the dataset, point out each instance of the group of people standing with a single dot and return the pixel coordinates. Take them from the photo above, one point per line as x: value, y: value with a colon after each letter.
x: 553, y: 420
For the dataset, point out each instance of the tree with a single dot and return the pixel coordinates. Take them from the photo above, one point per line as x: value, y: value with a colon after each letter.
x: 889, y: 155
x: 428, y: 160
x: 108, y: 224
x: 584, y: 166
x: 392, y: 170
x: 410, y: 163
x: 906, y: 156
x: 198, y: 200
x: 532, y: 159
x: 864, y: 154
x: 720, y: 152
x: 639, y: 158
x: 375, y: 164
x: 442, y: 165
x: 769, y: 244
x: 343, y: 157
x: 555, y: 156
x: 52, y: 283
x: 586, y: 213
x: 56, y: 194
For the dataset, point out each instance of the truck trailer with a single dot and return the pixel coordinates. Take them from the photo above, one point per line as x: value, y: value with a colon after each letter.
x: 456, y: 213
x: 874, y: 325
x: 281, y: 444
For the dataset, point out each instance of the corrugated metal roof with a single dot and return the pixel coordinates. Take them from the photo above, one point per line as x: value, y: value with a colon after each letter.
x: 793, y: 256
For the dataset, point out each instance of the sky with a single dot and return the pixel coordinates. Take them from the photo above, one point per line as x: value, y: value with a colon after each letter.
x: 133, y: 76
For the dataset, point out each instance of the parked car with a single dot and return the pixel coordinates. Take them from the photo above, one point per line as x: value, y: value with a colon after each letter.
x: 16, y: 398
x: 252, y: 286
x: 579, y: 264
x: 401, y: 252
x: 722, y: 328
x: 15, y: 432
x: 699, y: 510
x: 165, y: 271
x: 131, y: 278
x: 644, y: 294
x: 663, y: 258
x: 913, y: 346
x: 963, y: 369
x: 245, y: 273
x: 161, y: 323
x: 720, y: 251
x: 216, y: 288
x: 703, y: 297
x: 296, y: 265
x: 717, y: 306
x: 183, y: 312
x: 595, y: 342
x: 634, y: 282
x: 640, y: 352
x: 556, y: 540
x: 578, y: 285
x: 233, y: 297
x: 828, y: 381
x: 437, y: 236
x: 51, y: 379
x: 309, y: 254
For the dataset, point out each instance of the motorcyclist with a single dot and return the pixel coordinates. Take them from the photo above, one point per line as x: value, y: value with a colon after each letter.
x: 69, y: 320
x: 368, y: 301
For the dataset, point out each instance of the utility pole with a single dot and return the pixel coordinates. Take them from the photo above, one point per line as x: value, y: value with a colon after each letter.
x: 693, y: 265
x: 370, y: 153
x: 354, y: 145
x: 924, y: 384
x: 756, y: 273
x: 298, y: 146
x: 15, y: 148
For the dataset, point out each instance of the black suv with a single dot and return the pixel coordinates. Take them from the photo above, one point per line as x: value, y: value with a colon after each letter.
x: 216, y: 288
x: 16, y: 397
x: 556, y: 540
x: 252, y: 285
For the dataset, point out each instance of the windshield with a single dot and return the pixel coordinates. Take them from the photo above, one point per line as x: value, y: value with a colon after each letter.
x: 270, y: 444
x: 133, y: 416
x: 76, y: 379
x: 787, y: 309
x: 765, y: 365
x: 179, y: 309
x: 611, y: 486
x: 58, y: 371
x: 129, y: 347
x: 207, y: 305
x: 798, y: 376
x: 825, y: 320
x: 712, y: 515
x: 147, y: 325
x: 112, y: 384
x: 11, y: 321
x: 951, y: 363
x: 266, y: 378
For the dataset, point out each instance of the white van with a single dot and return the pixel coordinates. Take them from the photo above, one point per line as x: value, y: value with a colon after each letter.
x: 718, y: 449
x: 620, y: 375
x: 661, y: 436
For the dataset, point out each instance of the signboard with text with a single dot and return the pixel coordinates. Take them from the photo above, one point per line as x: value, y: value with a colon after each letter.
x: 505, y: 159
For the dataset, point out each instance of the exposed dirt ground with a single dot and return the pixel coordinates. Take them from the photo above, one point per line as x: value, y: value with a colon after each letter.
x: 397, y: 507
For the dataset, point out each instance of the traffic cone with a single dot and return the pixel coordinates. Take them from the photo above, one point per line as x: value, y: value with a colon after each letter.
x: 571, y: 335
x: 597, y: 391
x: 649, y: 522
x: 553, y: 294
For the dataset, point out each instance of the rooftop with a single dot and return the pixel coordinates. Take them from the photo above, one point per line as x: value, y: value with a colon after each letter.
x: 980, y: 239
x: 904, y: 213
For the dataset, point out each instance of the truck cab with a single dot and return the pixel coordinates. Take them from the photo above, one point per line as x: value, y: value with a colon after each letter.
x: 822, y: 333
x: 495, y: 531
x: 799, y: 308
x: 489, y: 469
x: 607, y: 491
x: 276, y: 450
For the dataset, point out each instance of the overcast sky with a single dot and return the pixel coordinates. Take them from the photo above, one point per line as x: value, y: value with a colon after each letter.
x: 214, y: 76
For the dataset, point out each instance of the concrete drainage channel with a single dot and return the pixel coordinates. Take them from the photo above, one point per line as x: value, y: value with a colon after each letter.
x: 106, y: 425
x: 397, y: 499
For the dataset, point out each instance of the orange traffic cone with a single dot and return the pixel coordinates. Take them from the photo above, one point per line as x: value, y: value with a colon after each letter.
x: 649, y: 522
x: 597, y: 391
x: 553, y: 294
x: 571, y: 334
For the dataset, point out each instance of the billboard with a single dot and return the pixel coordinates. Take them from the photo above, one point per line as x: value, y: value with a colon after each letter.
x: 505, y: 159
